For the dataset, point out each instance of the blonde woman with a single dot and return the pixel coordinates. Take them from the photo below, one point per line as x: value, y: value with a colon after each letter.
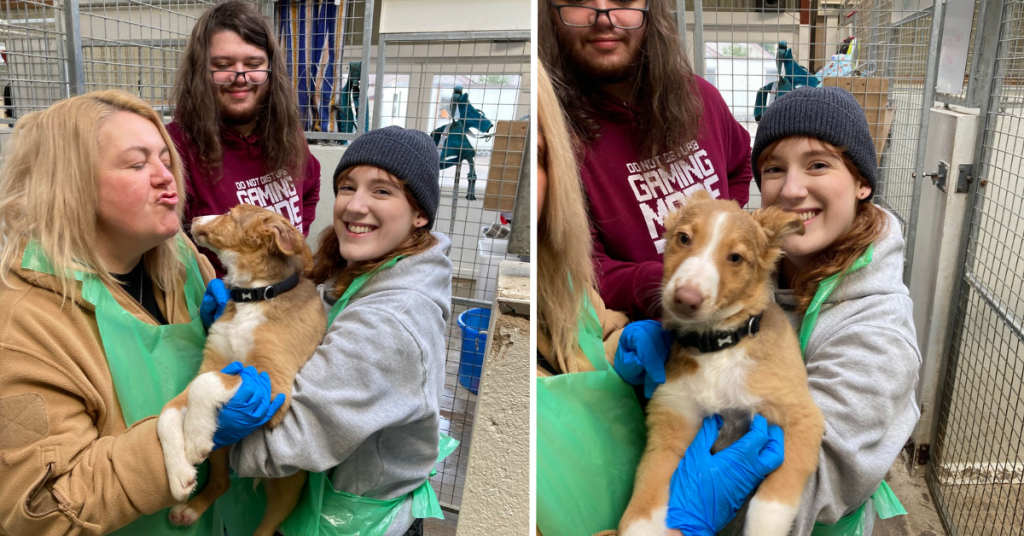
x: 99, y: 323
x: 564, y: 269
x: 585, y: 412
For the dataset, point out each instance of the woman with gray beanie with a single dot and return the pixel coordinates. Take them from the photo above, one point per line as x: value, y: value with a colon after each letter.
x: 841, y: 284
x: 365, y: 416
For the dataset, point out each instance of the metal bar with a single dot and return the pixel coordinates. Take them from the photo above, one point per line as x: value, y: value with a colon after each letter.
x: 681, y: 22
x: 983, y: 60
x: 1003, y: 311
x: 519, y: 237
x: 382, y: 47
x: 931, y: 76
x: 698, y: 37
x: 364, y: 102
x: 470, y: 302
x: 993, y: 26
x: 330, y: 135
x: 172, y: 45
x: 511, y: 35
x: 73, y: 43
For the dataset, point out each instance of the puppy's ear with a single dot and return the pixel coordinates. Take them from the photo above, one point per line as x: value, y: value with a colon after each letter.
x: 672, y: 220
x: 699, y: 196
x: 286, y: 238
x: 776, y: 224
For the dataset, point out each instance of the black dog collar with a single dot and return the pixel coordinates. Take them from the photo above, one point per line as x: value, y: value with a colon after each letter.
x: 264, y: 293
x: 716, y: 341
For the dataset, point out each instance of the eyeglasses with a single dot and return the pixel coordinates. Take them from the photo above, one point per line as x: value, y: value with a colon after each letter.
x: 226, y: 78
x: 624, y: 18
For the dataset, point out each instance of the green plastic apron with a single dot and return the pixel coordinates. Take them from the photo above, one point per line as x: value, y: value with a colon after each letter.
x: 149, y: 366
x: 590, y: 436
x: 884, y: 500
x: 325, y: 511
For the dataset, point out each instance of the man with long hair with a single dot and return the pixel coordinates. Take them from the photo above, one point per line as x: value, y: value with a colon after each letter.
x: 236, y: 121
x: 649, y: 133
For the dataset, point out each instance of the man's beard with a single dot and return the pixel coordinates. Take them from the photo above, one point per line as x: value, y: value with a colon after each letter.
x: 604, y: 76
x: 598, y: 75
x: 244, y: 117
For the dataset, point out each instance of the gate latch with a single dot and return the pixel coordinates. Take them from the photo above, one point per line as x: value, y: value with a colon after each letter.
x: 939, y: 177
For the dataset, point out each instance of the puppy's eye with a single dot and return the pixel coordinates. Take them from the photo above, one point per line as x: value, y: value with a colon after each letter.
x: 684, y: 239
x: 735, y: 258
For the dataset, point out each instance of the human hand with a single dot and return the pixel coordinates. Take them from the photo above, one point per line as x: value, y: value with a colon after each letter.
x: 707, y: 491
x: 643, y: 350
x: 249, y: 409
x: 214, y: 300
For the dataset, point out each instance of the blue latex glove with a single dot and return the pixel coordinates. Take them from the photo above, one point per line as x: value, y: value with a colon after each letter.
x: 706, y: 490
x: 214, y: 300
x: 249, y: 409
x: 643, y: 350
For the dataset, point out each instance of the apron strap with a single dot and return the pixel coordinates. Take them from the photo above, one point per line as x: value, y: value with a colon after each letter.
x: 825, y: 289
x: 590, y: 337
x: 354, y: 287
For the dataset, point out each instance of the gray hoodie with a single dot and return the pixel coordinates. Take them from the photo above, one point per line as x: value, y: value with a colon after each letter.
x: 367, y: 403
x: 862, y: 364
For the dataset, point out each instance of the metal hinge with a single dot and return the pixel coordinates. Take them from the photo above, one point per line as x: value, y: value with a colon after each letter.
x: 923, y: 454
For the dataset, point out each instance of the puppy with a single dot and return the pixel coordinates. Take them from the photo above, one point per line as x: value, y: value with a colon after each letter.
x: 735, y: 354
x: 274, y: 322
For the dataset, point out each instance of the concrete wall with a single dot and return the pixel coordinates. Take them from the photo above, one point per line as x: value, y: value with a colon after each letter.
x: 496, y: 499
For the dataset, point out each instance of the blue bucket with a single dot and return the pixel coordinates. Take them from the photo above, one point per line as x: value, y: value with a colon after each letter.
x: 474, y: 343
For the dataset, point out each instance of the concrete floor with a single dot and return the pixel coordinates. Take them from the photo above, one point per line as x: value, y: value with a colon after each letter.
x: 441, y: 527
x: 922, y: 519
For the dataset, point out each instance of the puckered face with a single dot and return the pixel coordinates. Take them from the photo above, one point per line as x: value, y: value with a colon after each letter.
x: 240, y: 101
x: 810, y: 179
x: 137, y: 199
x: 718, y: 259
x: 372, y: 214
x: 605, y: 53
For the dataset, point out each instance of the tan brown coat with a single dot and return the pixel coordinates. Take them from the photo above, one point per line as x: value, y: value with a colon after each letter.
x: 69, y: 464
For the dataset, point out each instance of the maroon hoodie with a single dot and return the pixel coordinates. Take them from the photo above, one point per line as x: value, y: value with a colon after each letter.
x: 245, y: 182
x: 628, y: 197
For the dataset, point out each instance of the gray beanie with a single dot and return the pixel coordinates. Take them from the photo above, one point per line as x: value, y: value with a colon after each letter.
x: 829, y: 114
x: 409, y: 155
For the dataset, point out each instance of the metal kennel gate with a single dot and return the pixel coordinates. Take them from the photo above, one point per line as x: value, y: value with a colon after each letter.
x: 976, y: 466
x: 418, y: 77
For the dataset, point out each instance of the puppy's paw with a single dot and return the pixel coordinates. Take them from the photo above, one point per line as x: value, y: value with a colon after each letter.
x: 207, y: 394
x: 182, y: 515
x: 197, y: 449
x: 768, y: 518
x: 653, y: 525
x: 182, y: 479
